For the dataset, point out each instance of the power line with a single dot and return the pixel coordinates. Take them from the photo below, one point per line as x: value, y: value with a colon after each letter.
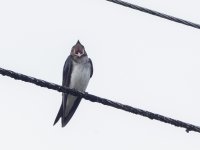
x: 93, y: 98
x: 155, y: 13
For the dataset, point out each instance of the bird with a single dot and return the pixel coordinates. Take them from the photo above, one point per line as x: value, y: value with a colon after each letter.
x: 77, y: 71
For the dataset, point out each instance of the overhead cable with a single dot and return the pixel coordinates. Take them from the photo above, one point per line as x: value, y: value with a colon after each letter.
x: 155, y: 13
x: 93, y: 98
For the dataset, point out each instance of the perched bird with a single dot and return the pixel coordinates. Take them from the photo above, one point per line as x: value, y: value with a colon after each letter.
x: 77, y: 71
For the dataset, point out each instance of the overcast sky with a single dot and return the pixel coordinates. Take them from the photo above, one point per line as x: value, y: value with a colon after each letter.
x: 140, y: 60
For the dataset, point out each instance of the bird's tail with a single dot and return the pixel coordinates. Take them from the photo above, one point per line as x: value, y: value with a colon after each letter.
x: 59, y: 115
x: 66, y: 118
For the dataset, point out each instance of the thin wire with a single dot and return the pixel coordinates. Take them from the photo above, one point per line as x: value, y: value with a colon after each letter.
x: 152, y: 12
x: 93, y: 98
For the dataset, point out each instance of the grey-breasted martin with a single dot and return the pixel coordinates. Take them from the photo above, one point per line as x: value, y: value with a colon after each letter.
x: 77, y: 71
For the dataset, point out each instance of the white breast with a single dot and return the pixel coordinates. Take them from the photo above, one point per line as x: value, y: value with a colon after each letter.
x: 80, y: 76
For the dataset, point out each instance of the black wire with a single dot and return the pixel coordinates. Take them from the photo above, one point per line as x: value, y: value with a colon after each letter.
x: 152, y: 12
x: 93, y: 98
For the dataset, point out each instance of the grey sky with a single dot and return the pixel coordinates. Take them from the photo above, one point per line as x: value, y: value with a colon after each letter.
x: 140, y: 60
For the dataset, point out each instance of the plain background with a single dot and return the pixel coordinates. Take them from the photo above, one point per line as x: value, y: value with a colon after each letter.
x: 140, y: 60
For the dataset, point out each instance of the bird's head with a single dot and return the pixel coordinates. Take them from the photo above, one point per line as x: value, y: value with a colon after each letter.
x: 78, y: 51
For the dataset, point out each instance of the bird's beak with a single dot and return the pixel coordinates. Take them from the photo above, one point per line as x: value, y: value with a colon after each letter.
x: 79, y: 54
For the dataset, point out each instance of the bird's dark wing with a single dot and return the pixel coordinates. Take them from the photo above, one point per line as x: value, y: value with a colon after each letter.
x: 91, y: 72
x: 66, y: 81
x: 67, y: 71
